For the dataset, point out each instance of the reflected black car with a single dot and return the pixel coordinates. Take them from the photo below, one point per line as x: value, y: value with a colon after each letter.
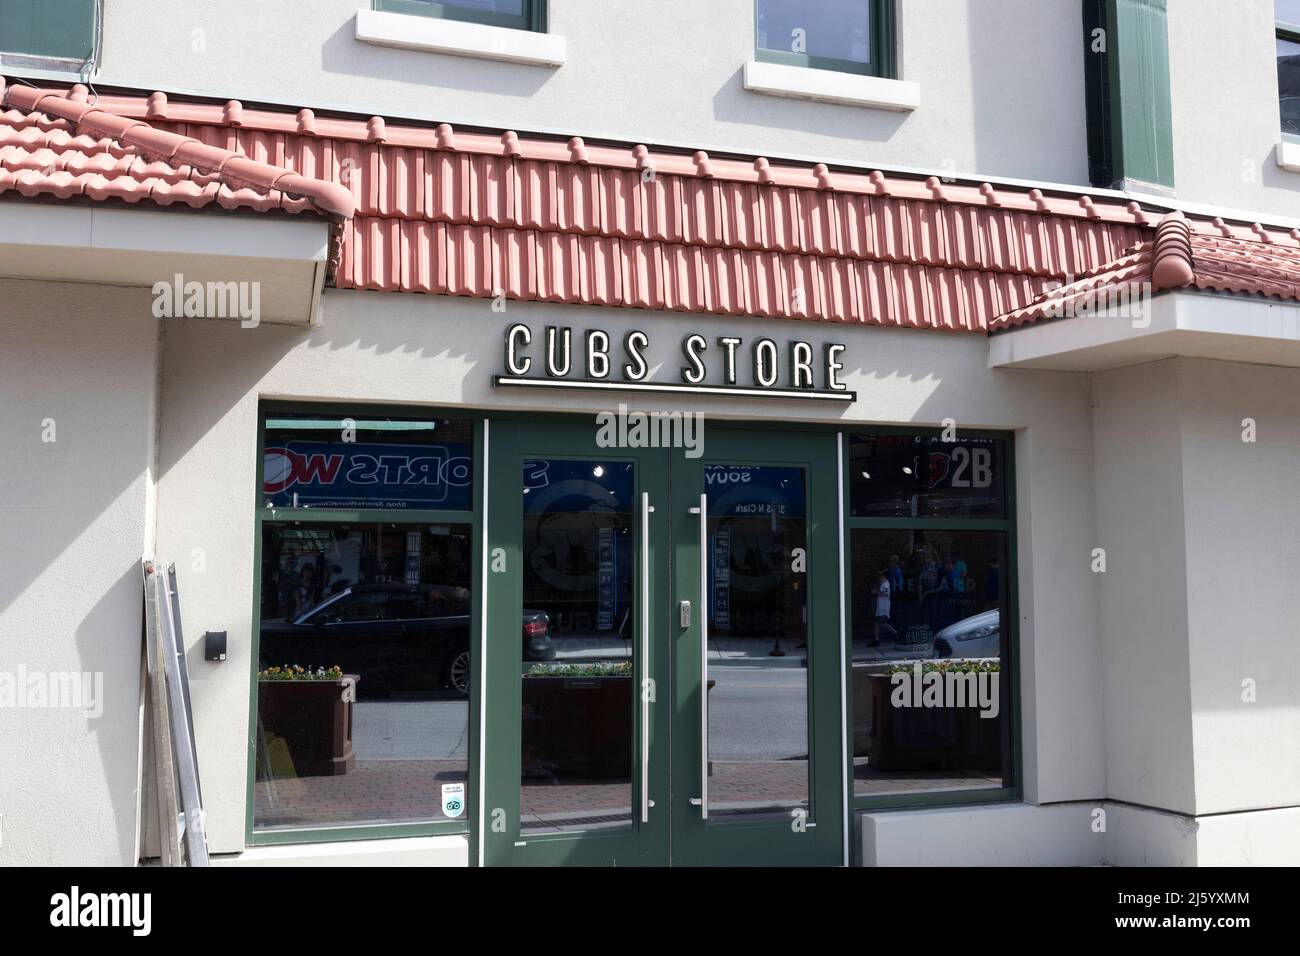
x: 399, y: 638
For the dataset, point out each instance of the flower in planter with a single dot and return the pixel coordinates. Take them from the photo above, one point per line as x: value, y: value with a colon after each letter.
x: 296, y: 672
x: 950, y: 666
x: 620, y: 669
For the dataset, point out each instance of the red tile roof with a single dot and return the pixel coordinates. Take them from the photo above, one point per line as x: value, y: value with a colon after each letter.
x: 1174, y: 257
x: 440, y: 210
x: 59, y: 144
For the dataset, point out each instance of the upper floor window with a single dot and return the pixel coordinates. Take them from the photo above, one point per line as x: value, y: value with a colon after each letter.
x: 851, y: 36
x: 516, y: 14
x: 1287, y: 15
x: 48, y: 34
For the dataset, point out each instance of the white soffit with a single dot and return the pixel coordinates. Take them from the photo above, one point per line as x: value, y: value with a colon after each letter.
x: 139, y: 247
x: 1249, y: 329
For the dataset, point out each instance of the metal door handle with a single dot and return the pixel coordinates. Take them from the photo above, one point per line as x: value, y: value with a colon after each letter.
x: 704, y: 656
x: 646, y: 802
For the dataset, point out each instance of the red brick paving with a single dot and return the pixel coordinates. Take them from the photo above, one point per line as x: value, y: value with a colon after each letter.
x: 385, y: 791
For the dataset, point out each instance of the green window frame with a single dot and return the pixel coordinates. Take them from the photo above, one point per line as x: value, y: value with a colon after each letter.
x: 883, y: 60
x: 60, y: 35
x: 1010, y: 659
x: 334, y: 833
x: 533, y: 18
x: 1290, y: 32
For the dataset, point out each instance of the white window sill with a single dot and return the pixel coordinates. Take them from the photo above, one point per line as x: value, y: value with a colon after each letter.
x: 1288, y: 156
x: 829, y: 86
x: 433, y: 35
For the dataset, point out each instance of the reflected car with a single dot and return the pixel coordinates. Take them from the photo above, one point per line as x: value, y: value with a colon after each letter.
x: 975, y: 636
x: 399, y: 638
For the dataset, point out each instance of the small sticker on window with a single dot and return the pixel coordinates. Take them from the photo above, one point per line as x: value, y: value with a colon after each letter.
x: 453, y: 799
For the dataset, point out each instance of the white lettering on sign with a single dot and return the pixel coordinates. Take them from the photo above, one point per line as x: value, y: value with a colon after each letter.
x: 791, y: 369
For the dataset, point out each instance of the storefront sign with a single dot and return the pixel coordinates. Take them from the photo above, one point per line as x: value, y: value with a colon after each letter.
x: 562, y: 357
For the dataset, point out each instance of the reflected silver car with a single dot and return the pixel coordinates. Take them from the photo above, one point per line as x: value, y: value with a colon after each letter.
x: 975, y: 636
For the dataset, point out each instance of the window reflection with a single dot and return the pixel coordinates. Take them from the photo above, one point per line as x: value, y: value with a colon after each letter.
x: 364, y: 670
x: 834, y: 29
x: 577, y: 710
x: 930, y: 704
x: 758, y: 638
x: 1288, y: 84
x: 922, y: 476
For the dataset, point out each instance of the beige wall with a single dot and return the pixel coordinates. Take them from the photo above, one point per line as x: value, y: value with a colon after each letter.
x: 1223, y: 86
x: 1143, y: 592
x: 669, y: 72
x: 1199, y: 595
x: 1243, y: 550
x: 74, y: 523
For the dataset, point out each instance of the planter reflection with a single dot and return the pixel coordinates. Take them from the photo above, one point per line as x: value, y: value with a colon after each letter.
x: 915, y: 738
x: 577, y: 723
x: 305, y: 726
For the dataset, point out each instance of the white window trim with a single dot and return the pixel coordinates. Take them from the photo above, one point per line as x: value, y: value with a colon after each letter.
x: 457, y: 38
x: 831, y: 86
x: 1288, y: 156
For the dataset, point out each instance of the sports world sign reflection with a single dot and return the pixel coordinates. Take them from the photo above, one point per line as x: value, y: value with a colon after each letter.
x: 338, y: 475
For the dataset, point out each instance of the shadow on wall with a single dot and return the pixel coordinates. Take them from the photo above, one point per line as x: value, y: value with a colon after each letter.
x: 343, y: 53
x: 735, y: 104
x: 104, y: 645
x: 78, y: 367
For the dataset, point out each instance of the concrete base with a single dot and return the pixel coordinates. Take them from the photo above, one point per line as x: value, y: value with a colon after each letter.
x: 408, y: 851
x: 1072, y: 834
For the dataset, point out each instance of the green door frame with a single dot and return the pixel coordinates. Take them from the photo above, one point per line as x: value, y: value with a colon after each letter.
x: 675, y: 830
x: 646, y: 844
x: 817, y: 838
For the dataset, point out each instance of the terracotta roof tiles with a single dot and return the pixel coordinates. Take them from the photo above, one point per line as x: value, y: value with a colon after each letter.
x: 461, y: 212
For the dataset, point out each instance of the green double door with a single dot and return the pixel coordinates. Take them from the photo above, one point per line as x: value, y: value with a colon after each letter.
x: 663, y: 671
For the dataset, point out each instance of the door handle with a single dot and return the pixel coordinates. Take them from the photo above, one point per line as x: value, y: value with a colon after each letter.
x: 684, y: 613
x: 646, y: 802
x: 704, y: 655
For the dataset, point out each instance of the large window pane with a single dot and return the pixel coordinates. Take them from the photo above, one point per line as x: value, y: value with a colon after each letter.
x: 323, y: 461
x: 830, y: 29
x: 931, y: 703
x: 518, y: 14
x: 384, y: 611
x: 758, y: 637
x: 922, y: 476
x: 577, y: 709
x: 1288, y: 84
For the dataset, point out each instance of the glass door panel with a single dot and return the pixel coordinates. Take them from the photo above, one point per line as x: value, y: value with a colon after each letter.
x: 757, y: 761
x: 577, y: 701
x: 576, y: 745
x: 757, y: 656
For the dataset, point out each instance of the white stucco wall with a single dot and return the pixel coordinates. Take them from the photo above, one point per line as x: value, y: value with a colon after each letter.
x: 1142, y: 613
x: 74, y: 520
x: 435, y: 351
x: 666, y: 73
x: 1243, y: 547
x: 1199, y: 595
x: 1223, y: 95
